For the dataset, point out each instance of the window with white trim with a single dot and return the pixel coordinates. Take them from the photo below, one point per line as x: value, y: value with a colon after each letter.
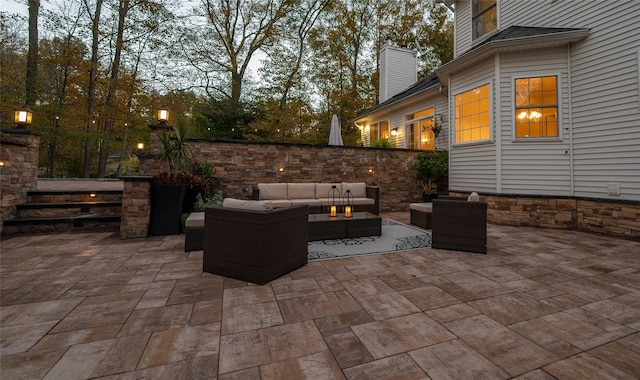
x: 536, y: 108
x: 378, y: 131
x: 473, y: 117
x: 419, y: 129
x: 484, y: 17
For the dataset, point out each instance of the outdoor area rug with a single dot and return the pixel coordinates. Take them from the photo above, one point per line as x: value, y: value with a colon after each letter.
x: 395, y: 237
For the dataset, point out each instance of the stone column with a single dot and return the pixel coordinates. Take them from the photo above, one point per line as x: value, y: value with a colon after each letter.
x: 18, y: 168
x: 136, y: 207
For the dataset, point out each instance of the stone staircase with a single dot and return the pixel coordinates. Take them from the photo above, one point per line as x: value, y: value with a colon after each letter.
x: 67, y: 210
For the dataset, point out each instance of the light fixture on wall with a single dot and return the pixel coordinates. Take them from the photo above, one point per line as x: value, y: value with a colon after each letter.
x: 23, y: 117
x: 439, y: 117
x: 281, y: 169
x: 140, y: 146
x: 394, y: 131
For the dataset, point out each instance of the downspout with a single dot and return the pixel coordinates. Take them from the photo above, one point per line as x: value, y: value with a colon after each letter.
x: 570, y: 110
x: 496, y: 122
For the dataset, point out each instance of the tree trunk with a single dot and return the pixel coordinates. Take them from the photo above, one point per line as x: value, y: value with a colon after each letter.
x: 32, y: 56
x: 91, y: 97
x: 111, y: 94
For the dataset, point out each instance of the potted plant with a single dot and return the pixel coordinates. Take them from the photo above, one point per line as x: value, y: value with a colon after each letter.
x: 168, y: 187
x: 431, y: 168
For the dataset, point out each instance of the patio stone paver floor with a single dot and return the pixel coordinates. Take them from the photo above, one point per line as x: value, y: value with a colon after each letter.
x: 542, y: 304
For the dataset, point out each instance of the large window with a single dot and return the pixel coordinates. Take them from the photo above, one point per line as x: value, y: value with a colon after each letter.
x: 484, y: 17
x: 378, y: 131
x: 536, y: 107
x: 472, y: 115
x: 419, y: 127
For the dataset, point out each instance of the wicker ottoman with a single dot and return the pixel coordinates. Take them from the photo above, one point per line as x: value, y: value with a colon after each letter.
x: 194, y: 232
x: 421, y: 214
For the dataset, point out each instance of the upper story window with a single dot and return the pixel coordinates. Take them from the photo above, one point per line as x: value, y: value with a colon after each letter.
x: 536, y: 107
x: 484, y: 17
x: 419, y: 127
x: 472, y: 115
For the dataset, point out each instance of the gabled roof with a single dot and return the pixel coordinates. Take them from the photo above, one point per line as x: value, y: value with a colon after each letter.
x: 426, y: 83
x: 513, y: 38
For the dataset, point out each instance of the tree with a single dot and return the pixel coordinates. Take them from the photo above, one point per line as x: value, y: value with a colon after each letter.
x: 94, y: 14
x: 31, y: 93
x: 235, y: 31
x: 12, y: 63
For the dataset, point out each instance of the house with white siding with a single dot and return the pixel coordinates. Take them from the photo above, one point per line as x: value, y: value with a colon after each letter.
x: 540, y: 110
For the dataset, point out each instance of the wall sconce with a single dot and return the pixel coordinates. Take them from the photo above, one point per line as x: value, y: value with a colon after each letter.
x: 93, y: 195
x: 439, y: 117
x: 370, y: 171
x: 23, y: 117
x: 394, y: 132
x: 281, y: 169
x: 163, y: 115
x: 2, y: 164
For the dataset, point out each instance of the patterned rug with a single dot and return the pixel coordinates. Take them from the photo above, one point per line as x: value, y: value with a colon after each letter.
x: 395, y: 237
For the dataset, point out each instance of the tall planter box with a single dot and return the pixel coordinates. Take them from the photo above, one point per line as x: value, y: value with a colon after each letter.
x: 166, y: 209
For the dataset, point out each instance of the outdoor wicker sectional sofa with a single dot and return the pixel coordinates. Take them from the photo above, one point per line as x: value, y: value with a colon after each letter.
x: 318, y: 196
x: 255, y: 245
x: 459, y: 224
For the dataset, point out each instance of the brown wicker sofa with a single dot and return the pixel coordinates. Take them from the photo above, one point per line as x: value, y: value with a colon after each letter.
x: 460, y: 225
x: 255, y: 246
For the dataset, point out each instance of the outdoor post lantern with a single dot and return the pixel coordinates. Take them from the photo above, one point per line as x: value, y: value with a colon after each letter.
x: 23, y: 117
x: 163, y: 115
x: 140, y: 146
x: 347, y: 198
x: 333, y: 209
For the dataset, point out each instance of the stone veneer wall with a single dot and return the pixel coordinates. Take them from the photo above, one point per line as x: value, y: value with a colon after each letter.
x: 589, y: 215
x: 242, y: 165
x: 19, y: 174
x: 136, y: 207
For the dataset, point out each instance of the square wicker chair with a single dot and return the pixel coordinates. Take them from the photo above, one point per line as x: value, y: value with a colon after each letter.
x: 459, y: 225
x: 255, y: 246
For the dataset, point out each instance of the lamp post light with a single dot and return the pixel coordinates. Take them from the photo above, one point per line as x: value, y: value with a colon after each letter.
x: 23, y: 117
x: 163, y: 115
x: 140, y: 146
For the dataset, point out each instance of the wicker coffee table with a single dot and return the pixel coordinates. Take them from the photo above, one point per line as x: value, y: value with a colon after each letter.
x: 325, y: 227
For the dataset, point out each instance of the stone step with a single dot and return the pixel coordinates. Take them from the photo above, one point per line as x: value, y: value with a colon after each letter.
x: 73, y: 196
x: 48, y: 209
x: 62, y: 223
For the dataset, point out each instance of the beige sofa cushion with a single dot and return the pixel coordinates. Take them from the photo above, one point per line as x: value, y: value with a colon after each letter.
x: 322, y: 190
x: 301, y: 190
x: 272, y: 191
x: 247, y: 205
x: 358, y: 189
x: 195, y: 220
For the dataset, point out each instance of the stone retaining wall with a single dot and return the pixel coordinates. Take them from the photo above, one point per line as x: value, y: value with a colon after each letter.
x: 136, y: 207
x: 242, y: 165
x: 589, y: 215
x: 19, y: 169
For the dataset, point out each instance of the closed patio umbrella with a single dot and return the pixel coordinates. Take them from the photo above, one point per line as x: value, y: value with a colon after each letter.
x: 335, y: 138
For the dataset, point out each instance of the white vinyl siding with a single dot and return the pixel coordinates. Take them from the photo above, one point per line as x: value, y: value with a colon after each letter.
x: 473, y: 166
x: 462, y: 25
x: 539, y: 167
x: 600, y: 127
